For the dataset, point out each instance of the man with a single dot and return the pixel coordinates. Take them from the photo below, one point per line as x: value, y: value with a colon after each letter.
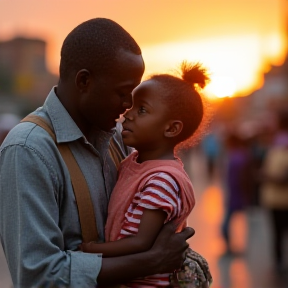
x: 39, y: 224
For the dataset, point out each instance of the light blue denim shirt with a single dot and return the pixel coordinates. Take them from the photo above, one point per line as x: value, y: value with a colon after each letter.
x: 39, y: 223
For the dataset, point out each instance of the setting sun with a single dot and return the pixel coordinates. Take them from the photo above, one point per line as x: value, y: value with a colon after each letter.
x: 220, y: 87
x: 223, y: 56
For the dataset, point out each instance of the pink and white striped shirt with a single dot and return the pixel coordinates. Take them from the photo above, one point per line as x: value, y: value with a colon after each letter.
x: 152, y: 184
x: 160, y: 192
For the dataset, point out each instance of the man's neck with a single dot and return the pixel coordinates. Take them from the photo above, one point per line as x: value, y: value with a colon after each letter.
x: 68, y: 99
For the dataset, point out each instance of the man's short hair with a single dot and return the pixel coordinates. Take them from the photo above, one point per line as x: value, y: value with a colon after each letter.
x: 93, y: 45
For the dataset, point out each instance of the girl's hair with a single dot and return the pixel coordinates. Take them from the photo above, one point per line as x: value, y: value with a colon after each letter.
x: 182, y: 96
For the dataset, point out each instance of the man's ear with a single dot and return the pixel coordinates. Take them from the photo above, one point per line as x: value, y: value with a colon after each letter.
x: 173, y: 128
x: 82, y: 80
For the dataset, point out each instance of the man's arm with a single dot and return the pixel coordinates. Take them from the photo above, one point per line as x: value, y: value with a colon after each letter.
x: 166, y: 255
x: 30, y: 230
x: 151, y: 223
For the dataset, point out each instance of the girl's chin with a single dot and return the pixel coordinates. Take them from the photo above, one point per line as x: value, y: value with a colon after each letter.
x: 127, y: 142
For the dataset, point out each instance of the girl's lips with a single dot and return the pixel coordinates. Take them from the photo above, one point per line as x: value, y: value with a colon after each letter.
x: 125, y: 129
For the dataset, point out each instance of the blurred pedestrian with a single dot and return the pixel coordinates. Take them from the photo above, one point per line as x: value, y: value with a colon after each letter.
x: 235, y: 182
x: 211, y: 147
x: 274, y: 188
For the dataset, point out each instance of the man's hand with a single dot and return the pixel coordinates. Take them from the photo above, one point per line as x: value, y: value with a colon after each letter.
x: 169, y: 247
x: 85, y: 247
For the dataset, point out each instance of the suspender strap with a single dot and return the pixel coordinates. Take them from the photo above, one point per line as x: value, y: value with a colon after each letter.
x: 82, y: 195
x: 40, y: 122
x: 80, y: 187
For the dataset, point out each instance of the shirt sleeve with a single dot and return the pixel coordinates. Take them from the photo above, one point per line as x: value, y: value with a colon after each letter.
x: 161, y: 192
x: 30, y: 225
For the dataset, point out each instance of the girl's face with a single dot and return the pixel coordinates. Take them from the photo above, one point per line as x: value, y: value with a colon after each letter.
x: 146, y: 121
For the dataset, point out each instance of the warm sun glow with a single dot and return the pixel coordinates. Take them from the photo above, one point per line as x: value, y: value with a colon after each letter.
x: 221, y: 86
x: 237, y: 41
x: 226, y: 58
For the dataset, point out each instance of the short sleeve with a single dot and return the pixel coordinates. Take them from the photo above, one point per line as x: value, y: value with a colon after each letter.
x: 161, y: 191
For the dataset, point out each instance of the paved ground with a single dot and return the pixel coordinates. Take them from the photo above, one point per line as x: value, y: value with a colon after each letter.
x: 251, y: 235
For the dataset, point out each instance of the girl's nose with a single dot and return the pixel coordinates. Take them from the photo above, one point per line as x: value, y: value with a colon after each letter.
x: 127, y: 114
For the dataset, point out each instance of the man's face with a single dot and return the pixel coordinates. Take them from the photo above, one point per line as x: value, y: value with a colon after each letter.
x: 110, y: 94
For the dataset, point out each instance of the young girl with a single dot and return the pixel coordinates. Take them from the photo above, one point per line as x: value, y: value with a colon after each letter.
x: 152, y: 186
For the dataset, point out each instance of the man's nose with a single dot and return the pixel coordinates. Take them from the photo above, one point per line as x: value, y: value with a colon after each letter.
x: 127, y: 103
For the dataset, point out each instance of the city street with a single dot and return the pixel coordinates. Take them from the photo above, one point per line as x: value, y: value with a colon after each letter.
x: 252, y: 267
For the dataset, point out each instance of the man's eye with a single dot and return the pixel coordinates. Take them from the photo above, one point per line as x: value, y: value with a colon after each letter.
x: 124, y: 95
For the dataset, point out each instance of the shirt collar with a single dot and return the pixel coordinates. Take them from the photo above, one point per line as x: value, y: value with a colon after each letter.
x: 64, y: 126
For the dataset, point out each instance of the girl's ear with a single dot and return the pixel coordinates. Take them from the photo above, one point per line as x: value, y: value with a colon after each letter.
x: 82, y: 80
x: 173, y: 128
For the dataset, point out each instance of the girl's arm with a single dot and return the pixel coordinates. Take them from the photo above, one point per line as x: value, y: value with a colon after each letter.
x: 151, y: 223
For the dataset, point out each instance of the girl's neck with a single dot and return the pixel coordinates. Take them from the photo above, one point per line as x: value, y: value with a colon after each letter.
x: 155, y: 155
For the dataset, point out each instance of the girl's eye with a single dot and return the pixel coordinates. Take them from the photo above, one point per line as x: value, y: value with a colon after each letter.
x: 141, y: 110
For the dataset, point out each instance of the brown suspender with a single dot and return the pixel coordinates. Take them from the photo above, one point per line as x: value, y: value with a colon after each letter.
x: 80, y: 187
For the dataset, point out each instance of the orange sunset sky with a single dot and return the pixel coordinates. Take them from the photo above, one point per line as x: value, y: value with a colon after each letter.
x: 238, y: 40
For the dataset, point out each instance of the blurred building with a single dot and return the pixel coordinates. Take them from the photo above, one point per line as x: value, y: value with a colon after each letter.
x: 275, y: 89
x: 24, y: 77
x: 259, y: 108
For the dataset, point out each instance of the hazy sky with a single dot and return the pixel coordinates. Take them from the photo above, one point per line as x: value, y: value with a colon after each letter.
x: 236, y: 39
